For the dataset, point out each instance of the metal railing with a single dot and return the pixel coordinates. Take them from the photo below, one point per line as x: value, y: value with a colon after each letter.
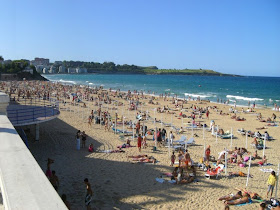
x: 32, y: 112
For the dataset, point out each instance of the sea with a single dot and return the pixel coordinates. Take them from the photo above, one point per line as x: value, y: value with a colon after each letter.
x: 261, y: 91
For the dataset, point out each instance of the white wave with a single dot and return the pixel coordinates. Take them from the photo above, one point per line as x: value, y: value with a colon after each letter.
x: 86, y: 81
x: 167, y: 90
x: 244, y: 98
x: 198, y: 95
x: 64, y: 81
x: 270, y: 100
x: 277, y: 100
x: 90, y: 83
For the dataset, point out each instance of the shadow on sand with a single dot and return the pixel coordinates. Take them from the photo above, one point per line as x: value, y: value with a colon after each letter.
x: 114, y: 183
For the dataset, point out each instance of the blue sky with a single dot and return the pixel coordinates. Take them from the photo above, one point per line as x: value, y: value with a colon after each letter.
x: 239, y: 37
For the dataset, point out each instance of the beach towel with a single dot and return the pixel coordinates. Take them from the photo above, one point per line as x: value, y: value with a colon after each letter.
x: 172, y: 181
x: 242, y: 204
x: 159, y: 180
x: 266, y: 170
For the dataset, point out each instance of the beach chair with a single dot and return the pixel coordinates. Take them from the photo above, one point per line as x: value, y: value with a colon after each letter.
x: 181, y: 140
x: 216, y: 173
x: 190, y: 141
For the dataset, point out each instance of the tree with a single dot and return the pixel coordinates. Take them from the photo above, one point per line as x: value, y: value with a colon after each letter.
x: 1, y: 58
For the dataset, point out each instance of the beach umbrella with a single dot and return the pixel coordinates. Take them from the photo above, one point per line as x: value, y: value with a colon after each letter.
x: 161, y: 120
x: 264, y: 145
x: 248, y: 175
x: 246, y: 139
x: 123, y: 117
x: 226, y: 162
x: 192, y: 127
x: 132, y: 131
x: 217, y: 134
x: 100, y: 117
x: 169, y: 146
x: 116, y: 123
x: 231, y: 138
x: 277, y: 180
x: 154, y: 116
x: 203, y: 133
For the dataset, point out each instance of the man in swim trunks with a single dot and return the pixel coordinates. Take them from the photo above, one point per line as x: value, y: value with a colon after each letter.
x: 231, y: 197
x: 89, y: 193
x: 244, y: 199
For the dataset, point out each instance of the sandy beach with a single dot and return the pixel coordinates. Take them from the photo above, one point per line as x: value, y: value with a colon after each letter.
x: 118, y: 182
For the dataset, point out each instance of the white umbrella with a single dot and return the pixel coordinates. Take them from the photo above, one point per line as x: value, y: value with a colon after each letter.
x: 248, y: 175
x: 264, y: 146
x: 277, y: 180
x: 231, y: 138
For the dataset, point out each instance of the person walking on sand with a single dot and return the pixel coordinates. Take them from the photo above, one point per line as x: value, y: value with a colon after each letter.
x: 171, y: 138
x: 173, y: 157
x: 139, y: 142
x: 84, y: 138
x: 89, y: 193
x: 78, y: 141
x: 207, y: 114
x: 271, y: 183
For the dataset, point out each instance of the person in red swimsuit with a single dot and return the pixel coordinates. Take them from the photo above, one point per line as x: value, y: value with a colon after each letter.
x: 139, y: 142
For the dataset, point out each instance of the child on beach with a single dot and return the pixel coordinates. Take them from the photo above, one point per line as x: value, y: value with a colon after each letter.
x: 173, y: 157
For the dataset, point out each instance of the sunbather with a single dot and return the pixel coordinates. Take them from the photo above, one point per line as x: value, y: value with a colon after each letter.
x: 240, y: 173
x: 263, y: 161
x: 231, y: 197
x: 244, y: 199
x: 252, y: 194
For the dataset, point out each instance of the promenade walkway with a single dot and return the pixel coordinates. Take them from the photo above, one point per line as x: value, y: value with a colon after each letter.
x: 23, y: 183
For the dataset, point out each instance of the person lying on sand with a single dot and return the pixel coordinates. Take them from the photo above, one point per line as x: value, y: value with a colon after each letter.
x: 261, y: 128
x: 231, y: 197
x: 253, y: 195
x: 263, y: 161
x: 244, y: 199
x: 137, y: 156
x: 239, y: 173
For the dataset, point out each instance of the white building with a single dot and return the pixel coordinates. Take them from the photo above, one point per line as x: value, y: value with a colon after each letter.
x: 58, y: 63
x: 81, y: 70
x: 40, y: 68
x: 45, y: 71
x: 71, y: 70
x: 53, y: 70
x: 61, y: 70
x: 40, y: 61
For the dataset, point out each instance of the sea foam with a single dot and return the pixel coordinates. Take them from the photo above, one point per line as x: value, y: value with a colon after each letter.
x: 244, y: 98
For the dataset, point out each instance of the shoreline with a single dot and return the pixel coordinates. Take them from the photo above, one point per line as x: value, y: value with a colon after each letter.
x: 179, y: 98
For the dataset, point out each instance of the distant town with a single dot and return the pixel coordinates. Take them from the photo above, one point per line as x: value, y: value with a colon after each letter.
x: 43, y: 66
x: 40, y: 66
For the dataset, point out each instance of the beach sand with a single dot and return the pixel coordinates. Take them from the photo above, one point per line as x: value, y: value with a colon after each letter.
x: 120, y: 183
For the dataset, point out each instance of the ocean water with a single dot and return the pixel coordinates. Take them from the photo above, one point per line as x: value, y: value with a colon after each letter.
x: 263, y: 91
